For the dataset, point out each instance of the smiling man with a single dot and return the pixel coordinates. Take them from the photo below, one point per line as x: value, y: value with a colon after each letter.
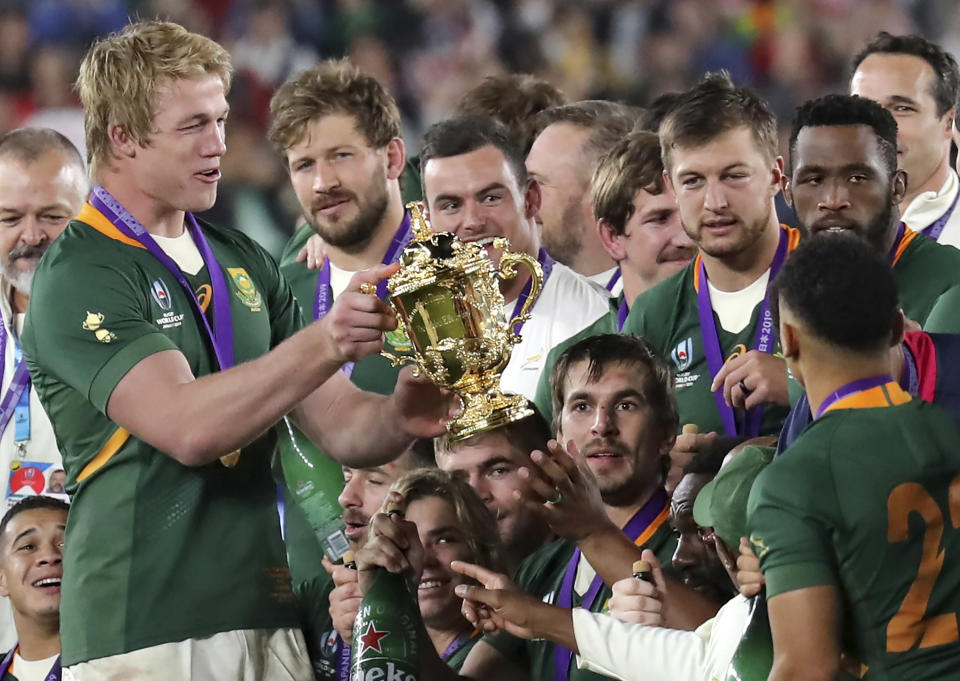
x: 476, y: 186
x: 918, y: 82
x: 31, y: 569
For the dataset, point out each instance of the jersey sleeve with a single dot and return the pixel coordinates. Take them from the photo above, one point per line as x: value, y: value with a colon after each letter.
x: 88, y: 325
x: 790, y: 516
x: 945, y: 315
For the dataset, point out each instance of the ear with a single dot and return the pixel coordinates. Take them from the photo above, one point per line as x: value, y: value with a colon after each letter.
x: 531, y: 199
x: 611, y: 240
x: 899, y: 328
x: 668, y: 181
x: 789, y: 340
x: 123, y: 144
x: 787, y: 189
x: 899, y: 185
x: 948, y: 122
x: 396, y: 158
x: 778, y: 176
x: 4, y: 591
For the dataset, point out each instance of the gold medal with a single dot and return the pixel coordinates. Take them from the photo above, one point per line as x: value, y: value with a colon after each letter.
x: 230, y: 460
x: 14, y: 465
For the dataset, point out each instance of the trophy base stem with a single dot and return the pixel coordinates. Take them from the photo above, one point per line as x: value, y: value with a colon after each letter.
x: 487, y: 411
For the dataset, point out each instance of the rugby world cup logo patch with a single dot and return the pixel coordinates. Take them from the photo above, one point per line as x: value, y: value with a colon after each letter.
x: 682, y: 355
x: 161, y: 294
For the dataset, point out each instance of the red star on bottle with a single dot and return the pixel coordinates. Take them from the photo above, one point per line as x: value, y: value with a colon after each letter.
x: 371, y: 638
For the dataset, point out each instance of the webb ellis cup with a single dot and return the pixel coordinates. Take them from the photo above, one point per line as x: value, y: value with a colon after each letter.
x: 448, y: 302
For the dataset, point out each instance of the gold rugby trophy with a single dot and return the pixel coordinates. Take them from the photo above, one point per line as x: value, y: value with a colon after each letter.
x: 448, y: 302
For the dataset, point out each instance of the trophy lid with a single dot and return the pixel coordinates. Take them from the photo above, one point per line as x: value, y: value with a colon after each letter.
x: 432, y: 254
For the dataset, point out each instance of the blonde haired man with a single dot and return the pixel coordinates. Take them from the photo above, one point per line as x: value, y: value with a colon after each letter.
x: 165, y: 351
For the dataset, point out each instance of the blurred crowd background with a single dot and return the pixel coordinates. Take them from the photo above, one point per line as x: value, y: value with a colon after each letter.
x: 429, y: 52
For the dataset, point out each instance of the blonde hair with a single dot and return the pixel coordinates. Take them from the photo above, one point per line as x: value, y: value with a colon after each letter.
x: 122, y: 74
x: 334, y: 86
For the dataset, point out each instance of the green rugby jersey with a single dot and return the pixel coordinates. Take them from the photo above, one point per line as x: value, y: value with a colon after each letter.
x: 605, y: 324
x: 924, y: 271
x: 867, y: 500
x: 667, y: 316
x: 155, y: 551
x: 323, y: 643
x: 541, y: 574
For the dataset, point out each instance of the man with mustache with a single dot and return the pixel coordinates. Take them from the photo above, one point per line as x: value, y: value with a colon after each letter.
x: 918, y: 82
x: 638, y: 223
x: 43, y: 183
x: 477, y: 187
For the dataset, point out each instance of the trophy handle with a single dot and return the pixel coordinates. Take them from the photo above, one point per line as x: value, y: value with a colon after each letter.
x: 399, y: 360
x: 508, y: 270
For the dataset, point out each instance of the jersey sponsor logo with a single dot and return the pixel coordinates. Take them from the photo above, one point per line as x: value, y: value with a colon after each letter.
x: 161, y: 294
x: 682, y: 355
x: 738, y: 349
x: 94, y: 322
x: 246, y: 291
x: 203, y: 296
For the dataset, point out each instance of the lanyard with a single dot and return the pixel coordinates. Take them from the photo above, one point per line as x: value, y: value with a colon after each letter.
x: 458, y: 643
x: 546, y: 262
x: 16, y: 401
x: 622, y: 313
x: 221, y: 333
x: 323, y: 297
x: 763, y: 342
x: 850, y: 389
x: 343, y: 659
x: 933, y: 231
x: 52, y: 675
x: 641, y: 527
x: 911, y: 376
x: 613, y: 280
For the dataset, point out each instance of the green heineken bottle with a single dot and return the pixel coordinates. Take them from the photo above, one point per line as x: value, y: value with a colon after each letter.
x: 754, y: 656
x: 386, y: 631
x: 314, y: 480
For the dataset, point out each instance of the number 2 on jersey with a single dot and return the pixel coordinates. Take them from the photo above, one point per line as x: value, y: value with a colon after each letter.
x: 910, y: 625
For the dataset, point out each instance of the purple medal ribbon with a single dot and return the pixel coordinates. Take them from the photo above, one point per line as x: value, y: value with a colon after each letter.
x: 457, y: 644
x: 546, y: 262
x: 343, y: 659
x: 901, y: 228
x: 52, y: 675
x: 850, y: 389
x: 221, y: 333
x: 622, y: 312
x: 763, y: 342
x: 933, y: 231
x: 563, y: 657
x: 613, y: 280
x: 19, y: 383
x: 323, y: 298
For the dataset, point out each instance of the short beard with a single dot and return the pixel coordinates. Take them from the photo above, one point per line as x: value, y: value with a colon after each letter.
x: 356, y: 234
x: 20, y: 280
x: 751, y: 235
x: 564, y: 243
x: 878, y: 230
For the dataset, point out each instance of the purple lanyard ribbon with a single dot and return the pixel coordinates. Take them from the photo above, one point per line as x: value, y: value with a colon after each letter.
x: 622, y: 312
x: 323, y: 297
x: 613, y: 280
x: 457, y: 644
x: 221, y: 333
x: 933, y: 231
x: 901, y: 229
x: 563, y: 657
x: 546, y: 262
x: 18, y: 384
x: 851, y: 388
x: 343, y: 659
x: 911, y: 377
x: 763, y: 341
x: 52, y: 675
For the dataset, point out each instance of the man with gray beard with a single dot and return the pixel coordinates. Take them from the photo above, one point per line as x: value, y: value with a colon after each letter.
x: 43, y: 184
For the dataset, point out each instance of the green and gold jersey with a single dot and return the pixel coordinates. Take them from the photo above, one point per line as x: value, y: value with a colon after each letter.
x: 156, y: 551
x: 288, y: 255
x: 924, y: 271
x: 323, y: 643
x: 667, y: 317
x: 541, y: 574
x: 605, y: 324
x: 866, y: 500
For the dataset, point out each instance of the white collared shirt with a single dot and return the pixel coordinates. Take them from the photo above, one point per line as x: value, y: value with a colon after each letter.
x: 928, y: 207
x: 568, y: 304
x: 603, y: 279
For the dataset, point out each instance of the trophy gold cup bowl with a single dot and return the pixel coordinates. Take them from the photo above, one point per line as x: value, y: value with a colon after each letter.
x: 448, y: 302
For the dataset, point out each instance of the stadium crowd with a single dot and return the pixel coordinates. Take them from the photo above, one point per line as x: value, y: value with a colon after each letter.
x: 739, y: 459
